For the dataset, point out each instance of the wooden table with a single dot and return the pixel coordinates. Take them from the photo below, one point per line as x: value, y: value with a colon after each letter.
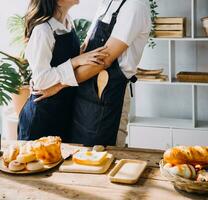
x: 54, y: 185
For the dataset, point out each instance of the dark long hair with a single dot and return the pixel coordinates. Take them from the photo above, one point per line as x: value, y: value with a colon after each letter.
x: 39, y: 11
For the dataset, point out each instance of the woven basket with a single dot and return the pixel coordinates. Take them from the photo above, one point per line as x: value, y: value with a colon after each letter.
x: 184, y: 184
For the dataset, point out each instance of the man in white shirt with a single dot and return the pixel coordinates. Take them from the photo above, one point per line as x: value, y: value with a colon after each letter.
x: 124, y: 27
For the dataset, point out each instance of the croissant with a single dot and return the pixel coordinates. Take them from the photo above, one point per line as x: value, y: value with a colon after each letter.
x: 186, y: 171
x: 194, y: 155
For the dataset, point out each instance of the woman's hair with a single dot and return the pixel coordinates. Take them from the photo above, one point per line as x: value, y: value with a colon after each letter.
x: 39, y: 11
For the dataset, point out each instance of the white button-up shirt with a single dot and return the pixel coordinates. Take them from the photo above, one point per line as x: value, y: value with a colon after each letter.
x: 132, y: 27
x: 39, y: 54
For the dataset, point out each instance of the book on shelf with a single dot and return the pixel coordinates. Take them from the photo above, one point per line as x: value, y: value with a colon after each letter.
x: 166, y: 27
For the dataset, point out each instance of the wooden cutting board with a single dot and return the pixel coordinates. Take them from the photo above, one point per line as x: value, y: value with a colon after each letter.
x: 70, y: 166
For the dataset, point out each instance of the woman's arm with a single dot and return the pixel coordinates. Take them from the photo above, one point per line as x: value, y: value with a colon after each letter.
x: 114, y: 49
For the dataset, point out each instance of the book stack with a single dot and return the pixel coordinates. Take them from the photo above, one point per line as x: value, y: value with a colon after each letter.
x: 151, y: 75
x: 170, y: 27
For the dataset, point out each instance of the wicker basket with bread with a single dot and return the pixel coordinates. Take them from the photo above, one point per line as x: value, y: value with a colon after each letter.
x: 32, y: 156
x: 187, y: 168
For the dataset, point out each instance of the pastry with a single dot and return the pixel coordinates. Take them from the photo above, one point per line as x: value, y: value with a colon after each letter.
x: 89, y: 157
x: 98, y: 148
x: 194, y: 155
x: 34, y: 165
x: 167, y: 166
x: 16, y: 166
x: 202, y: 176
x: 47, y: 149
x: 184, y: 170
x: 26, y: 158
x: 10, y: 154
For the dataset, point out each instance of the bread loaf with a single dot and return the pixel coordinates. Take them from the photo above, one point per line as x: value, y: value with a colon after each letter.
x: 185, y: 171
x: 193, y: 155
x: 10, y: 154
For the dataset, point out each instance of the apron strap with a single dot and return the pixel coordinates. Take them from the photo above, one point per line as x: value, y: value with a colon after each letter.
x: 117, y: 11
x: 103, y: 15
x: 114, y: 16
x: 50, y: 26
x: 133, y: 79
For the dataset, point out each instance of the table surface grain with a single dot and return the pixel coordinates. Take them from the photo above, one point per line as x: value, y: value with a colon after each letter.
x: 55, y: 185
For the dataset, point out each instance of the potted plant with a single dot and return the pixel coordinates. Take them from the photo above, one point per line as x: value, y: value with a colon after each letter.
x: 20, y: 64
x: 9, y: 82
x: 21, y: 67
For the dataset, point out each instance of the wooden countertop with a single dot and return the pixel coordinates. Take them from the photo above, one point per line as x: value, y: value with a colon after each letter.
x: 57, y: 185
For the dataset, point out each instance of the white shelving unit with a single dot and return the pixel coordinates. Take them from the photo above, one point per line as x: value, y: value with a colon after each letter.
x: 163, y: 132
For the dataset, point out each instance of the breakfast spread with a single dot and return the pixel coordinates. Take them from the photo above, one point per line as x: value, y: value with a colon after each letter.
x: 189, y: 162
x: 33, y: 155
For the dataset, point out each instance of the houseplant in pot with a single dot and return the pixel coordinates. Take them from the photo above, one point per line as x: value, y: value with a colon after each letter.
x: 9, y: 82
x: 20, y: 64
x: 21, y: 67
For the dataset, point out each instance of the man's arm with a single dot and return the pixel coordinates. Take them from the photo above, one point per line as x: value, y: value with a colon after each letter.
x: 114, y: 49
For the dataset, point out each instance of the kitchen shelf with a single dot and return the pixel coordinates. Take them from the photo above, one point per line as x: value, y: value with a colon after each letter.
x: 182, y: 39
x: 168, y: 123
x: 173, y: 82
x: 187, y: 119
x: 162, y: 122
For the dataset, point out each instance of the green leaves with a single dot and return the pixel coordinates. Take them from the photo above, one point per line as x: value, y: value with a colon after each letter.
x: 9, y: 82
x: 154, y: 14
x: 22, y: 65
x: 16, y: 28
x: 82, y: 26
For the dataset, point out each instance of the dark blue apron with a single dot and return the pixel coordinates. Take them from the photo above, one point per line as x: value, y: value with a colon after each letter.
x: 96, y: 121
x: 53, y: 115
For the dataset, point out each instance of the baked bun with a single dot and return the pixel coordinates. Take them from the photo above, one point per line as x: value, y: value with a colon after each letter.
x: 185, y: 171
x: 34, y: 165
x: 26, y: 158
x: 89, y: 157
x: 98, y: 148
x: 48, y: 149
x: 202, y: 176
x: 10, y: 154
x: 16, y: 166
x: 193, y: 155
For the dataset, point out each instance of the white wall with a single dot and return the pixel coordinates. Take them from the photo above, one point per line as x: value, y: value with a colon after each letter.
x: 86, y: 9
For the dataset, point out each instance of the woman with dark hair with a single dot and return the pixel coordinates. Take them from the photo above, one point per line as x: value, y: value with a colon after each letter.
x: 53, y: 53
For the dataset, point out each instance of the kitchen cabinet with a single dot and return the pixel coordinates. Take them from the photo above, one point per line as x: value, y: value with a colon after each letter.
x: 189, y: 137
x: 150, y: 137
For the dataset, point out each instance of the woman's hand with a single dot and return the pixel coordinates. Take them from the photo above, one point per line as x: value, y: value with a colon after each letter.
x: 94, y: 57
x: 48, y: 92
